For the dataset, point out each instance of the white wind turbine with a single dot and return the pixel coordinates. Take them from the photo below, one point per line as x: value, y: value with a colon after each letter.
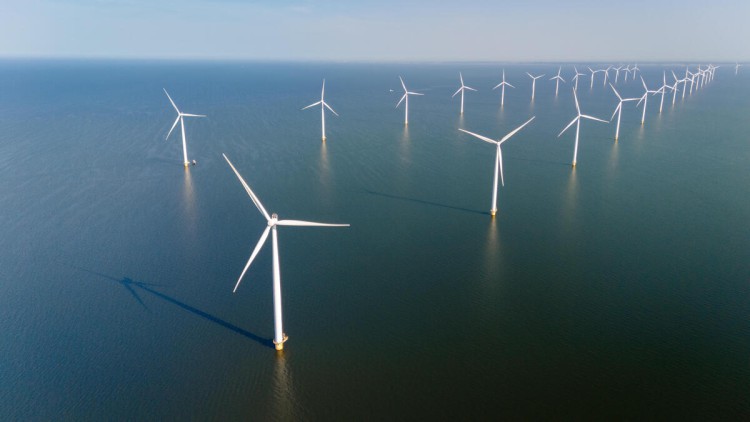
x: 606, y: 75
x: 406, y: 97
x: 533, y: 83
x: 501, y: 85
x: 323, y: 106
x: 273, y: 221
x: 618, y: 110
x: 461, y: 90
x: 180, y: 119
x: 577, y: 120
x: 578, y: 74
x: 627, y: 72
x: 685, y: 81
x: 594, y: 72
x: 662, y: 90
x: 498, y: 159
x: 674, y: 87
x: 644, y: 98
x: 737, y: 68
x: 557, y: 80
x: 617, y: 73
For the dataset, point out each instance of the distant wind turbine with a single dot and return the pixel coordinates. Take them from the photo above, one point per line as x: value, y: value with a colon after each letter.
x: 644, y: 99
x: 323, y: 106
x: 273, y: 221
x: 674, y: 87
x: 618, y: 110
x: 576, y: 76
x: 557, y: 80
x: 406, y: 97
x: 662, y: 90
x: 606, y: 75
x: 737, y: 68
x: 617, y: 73
x: 577, y: 121
x: 593, y: 73
x: 498, y: 159
x: 501, y: 85
x: 461, y: 90
x: 180, y: 119
x: 533, y: 83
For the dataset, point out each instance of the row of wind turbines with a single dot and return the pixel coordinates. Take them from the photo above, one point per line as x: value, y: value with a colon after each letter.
x: 698, y: 78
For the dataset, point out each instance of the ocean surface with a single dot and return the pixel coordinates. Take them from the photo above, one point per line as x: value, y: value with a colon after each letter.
x: 618, y: 289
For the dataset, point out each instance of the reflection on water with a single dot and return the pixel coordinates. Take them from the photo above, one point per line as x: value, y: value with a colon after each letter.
x: 325, y: 174
x: 612, y: 163
x: 188, y: 197
x: 491, y: 264
x: 570, y: 203
x: 285, y: 403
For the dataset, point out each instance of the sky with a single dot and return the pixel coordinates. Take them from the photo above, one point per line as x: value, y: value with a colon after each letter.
x: 384, y: 30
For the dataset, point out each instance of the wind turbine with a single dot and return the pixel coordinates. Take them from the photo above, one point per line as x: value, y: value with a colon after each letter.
x: 606, y: 75
x: 533, y: 83
x: 644, y: 98
x: 617, y: 73
x: 618, y: 110
x: 663, y: 90
x: 685, y: 81
x: 273, y: 221
x: 577, y: 121
x: 594, y: 72
x: 576, y: 78
x: 461, y: 90
x: 406, y: 97
x: 627, y: 72
x: 557, y: 80
x: 498, y: 159
x: 501, y: 85
x: 180, y: 119
x: 674, y: 87
x: 323, y: 106
x: 737, y: 68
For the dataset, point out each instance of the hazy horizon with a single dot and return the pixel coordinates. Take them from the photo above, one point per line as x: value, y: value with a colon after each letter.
x: 385, y: 31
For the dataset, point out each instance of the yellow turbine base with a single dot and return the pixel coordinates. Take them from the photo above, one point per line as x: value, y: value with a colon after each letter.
x: 187, y: 165
x: 280, y: 345
x: 492, y: 212
x: 574, y: 164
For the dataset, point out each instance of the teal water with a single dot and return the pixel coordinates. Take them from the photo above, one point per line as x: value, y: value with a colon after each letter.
x: 620, y: 288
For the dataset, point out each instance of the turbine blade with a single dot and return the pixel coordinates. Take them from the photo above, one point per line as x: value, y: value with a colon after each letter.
x: 402, y: 83
x: 460, y: 76
x: 252, y: 256
x: 414, y: 93
x: 311, y: 105
x: 509, y: 85
x: 506, y: 137
x: 500, y: 161
x: 193, y: 115
x: 255, y: 199
x: 619, y: 106
x: 469, y: 88
x: 170, y: 100
x: 575, y: 96
x: 401, y: 100
x: 329, y: 107
x: 616, y: 93
x: 456, y: 93
x: 586, y: 116
x: 173, y: 126
x: 300, y: 223
x: 484, y: 138
x: 568, y: 126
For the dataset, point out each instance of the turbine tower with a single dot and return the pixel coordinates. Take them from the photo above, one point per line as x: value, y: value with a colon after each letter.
x: 279, y: 336
x: 557, y: 80
x: 323, y: 106
x: 618, y: 110
x: 181, y: 119
x: 461, y: 90
x: 577, y: 121
x: 533, y: 83
x: 501, y: 85
x: 406, y: 97
x: 498, y: 159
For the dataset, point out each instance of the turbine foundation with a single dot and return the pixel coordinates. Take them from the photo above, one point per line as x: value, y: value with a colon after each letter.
x: 279, y: 345
x: 493, y: 212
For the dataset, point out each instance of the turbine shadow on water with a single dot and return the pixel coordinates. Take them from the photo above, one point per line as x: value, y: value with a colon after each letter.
x: 129, y: 284
x: 423, y: 202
